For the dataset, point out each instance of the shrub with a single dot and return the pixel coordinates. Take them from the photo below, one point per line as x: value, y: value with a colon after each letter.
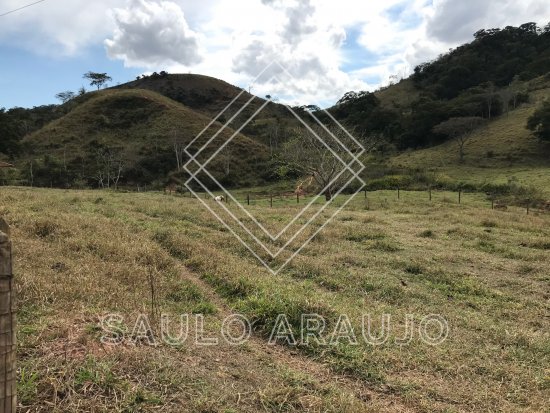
x: 427, y: 234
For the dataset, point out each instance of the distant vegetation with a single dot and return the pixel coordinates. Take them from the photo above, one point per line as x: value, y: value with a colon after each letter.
x: 135, y: 134
x: 484, y: 78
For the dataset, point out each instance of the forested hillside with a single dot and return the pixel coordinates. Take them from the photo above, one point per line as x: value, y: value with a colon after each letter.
x: 485, y: 78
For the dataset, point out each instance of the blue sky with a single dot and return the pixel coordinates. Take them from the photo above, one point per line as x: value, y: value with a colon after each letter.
x: 29, y: 80
x: 329, y: 47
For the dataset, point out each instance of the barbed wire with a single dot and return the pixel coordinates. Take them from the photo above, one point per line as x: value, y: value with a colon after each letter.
x: 21, y: 8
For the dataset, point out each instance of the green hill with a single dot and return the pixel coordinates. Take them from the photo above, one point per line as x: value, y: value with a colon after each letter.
x: 211, y: 96
x: 204, y: 94
x: 138, y: 129
x: 503, y: 151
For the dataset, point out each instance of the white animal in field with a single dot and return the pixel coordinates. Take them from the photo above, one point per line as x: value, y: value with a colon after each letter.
x: 219, y: 198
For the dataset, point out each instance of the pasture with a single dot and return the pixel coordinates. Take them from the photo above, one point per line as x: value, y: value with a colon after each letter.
x: 82, y: 254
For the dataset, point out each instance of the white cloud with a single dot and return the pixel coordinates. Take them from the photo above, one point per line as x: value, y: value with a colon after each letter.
x: 439, y: 26
x: 312, y: 39
x: 56, y: 28
x: 329, y: 46
x: 152, y: 35
x: 306, y: 45
x: 298, y: 21
x: 455, y: 21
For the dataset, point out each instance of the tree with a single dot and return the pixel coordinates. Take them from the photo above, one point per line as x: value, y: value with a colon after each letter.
x: 97, y: 79
x: 65, y: 96
x: 273, y: 133
x: 10, y: 134
x: 490, y: 97
x: 313, y: 155
x: 348, y: 96
x: 517, y: 88
x: 507, y: 95
x: 179, y: 149
x: 460, y: 130
x: 110, y: 166
x: 539, y: 122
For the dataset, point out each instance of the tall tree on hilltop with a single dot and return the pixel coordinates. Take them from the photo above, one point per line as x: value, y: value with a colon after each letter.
x: 65, y: 96
x: 97, y: 79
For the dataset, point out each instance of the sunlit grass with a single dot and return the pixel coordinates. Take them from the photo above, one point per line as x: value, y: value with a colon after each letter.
x: 80, y: 254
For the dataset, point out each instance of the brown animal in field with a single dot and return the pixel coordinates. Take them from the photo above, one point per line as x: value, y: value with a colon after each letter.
x: 170, y: 188
x: 501, y: 206
x: 545, y: 206
x: 303, y: 186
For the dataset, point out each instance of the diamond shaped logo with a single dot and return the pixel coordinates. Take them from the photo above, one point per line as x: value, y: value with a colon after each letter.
x: 340, y: 153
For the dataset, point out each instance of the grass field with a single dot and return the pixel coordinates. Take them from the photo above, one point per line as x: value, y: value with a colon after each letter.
x: 82, y: 254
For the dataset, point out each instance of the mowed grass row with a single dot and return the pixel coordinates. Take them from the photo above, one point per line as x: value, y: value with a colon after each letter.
x: 484, y: 271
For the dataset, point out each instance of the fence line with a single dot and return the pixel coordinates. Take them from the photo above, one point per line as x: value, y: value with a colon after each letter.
x: 269, y: 199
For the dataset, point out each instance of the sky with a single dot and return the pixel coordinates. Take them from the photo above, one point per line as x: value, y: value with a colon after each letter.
x: 322, y: 48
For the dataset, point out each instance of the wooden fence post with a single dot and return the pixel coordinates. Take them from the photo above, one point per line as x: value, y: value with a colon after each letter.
x: 398, y: 193
x: 430, y: 190
x: 271, y: 200
x: 248, y: 199
x: 459, y: 196
x: 297, y: 198
x: 8, y: 379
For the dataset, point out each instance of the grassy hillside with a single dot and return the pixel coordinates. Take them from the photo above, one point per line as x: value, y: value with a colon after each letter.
x: 398, y: 96
x: 202, y: 93
x: 210, y: 96
x: 139, y: 128
x: 502, y: 151
x: 80, y: 255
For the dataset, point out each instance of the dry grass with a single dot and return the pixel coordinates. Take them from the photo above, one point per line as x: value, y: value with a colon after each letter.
x: 80, y: 255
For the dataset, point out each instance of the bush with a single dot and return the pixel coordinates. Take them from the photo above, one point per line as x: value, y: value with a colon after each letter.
x: 539, y: 122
